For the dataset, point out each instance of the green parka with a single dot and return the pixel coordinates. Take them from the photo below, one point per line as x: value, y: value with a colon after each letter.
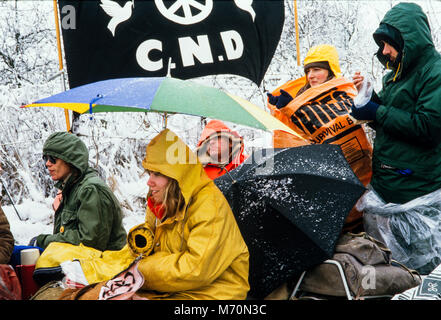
x: 408, y: 120
x: 89, y: 213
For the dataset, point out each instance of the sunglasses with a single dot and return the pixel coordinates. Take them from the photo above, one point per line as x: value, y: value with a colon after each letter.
x: 51, y: 159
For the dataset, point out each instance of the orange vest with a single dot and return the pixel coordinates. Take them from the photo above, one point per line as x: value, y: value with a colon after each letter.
x: 321, y: 115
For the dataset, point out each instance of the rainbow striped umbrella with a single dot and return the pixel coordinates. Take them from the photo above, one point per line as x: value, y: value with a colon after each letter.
x: 162, y: 94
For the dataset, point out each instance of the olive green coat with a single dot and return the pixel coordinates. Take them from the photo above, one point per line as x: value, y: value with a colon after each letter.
x: 408, y: 121
x: 89, y: 213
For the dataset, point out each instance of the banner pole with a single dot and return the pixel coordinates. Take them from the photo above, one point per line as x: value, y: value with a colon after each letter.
x: 60, y: 59
x: 10, y: 199
x: 296, y: 18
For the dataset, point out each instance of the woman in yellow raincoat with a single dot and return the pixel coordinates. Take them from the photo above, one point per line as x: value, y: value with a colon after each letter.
x: 198, y: 252
x: 317, y: 106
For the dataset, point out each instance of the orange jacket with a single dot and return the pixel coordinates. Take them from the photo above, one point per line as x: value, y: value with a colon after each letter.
x: 321, y: 115
x: 327, y: 122
x: 215, y: 128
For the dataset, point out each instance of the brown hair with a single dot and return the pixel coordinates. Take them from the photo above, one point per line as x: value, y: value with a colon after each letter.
x: 174, y: 200
x: 319, y: 64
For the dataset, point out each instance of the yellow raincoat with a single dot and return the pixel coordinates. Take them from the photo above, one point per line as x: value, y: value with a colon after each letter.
x: 197, y: 254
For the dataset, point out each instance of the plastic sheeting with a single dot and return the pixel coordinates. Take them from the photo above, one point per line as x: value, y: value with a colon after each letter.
x: 365, y: 93
x: 412, y: 231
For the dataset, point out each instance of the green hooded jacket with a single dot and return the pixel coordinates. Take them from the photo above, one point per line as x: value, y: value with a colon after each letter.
x: 408, y: 120
x: 89, y: 212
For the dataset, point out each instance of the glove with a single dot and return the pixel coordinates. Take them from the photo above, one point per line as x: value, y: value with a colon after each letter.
x: 33, y: 242
x: 284, y: 99
x: 280, y: 101
x: 272, y: 99
x: 366, y: 112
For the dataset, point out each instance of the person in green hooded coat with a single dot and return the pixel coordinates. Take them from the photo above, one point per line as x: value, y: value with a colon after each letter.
x: 406, y: 113
x: 89, y: 212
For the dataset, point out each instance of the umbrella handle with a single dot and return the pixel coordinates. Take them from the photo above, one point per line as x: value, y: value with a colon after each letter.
x: 165, y: 117
x: 98, y: 97
x: 232, y: 179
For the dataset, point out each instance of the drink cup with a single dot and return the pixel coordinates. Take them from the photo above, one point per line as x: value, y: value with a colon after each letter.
x: 25, y: 271
x: 29, y: 256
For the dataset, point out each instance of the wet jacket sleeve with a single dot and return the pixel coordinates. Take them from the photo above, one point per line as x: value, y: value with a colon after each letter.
x: 422, y: 126
x: 94, y: 219
x: 6, y: 239
x: 205, y: 258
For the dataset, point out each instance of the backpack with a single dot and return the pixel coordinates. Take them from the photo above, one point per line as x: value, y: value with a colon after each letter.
x: 10, y: 288
x: 368, y: 267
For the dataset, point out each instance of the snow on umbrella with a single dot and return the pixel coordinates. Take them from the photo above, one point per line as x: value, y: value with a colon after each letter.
x: 166, y: 95
x: 290, y: 205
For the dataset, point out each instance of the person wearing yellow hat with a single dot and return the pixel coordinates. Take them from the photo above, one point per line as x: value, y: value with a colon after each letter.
x: 320, y: 65
x: 317, y: 107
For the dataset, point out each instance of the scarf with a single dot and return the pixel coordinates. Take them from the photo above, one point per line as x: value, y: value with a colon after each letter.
x: 157, y: 209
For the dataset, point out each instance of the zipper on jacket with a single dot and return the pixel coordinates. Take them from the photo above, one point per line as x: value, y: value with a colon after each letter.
x: 403, y: 172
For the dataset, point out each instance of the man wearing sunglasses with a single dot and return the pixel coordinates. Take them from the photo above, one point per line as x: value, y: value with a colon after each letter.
x: 89, y: 212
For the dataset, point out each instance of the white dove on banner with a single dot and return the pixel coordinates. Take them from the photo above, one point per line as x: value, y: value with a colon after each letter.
x: 246, y: 5
x: 117, y: 13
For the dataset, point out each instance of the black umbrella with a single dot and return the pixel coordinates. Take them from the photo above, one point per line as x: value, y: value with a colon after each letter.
x: 290, y: 205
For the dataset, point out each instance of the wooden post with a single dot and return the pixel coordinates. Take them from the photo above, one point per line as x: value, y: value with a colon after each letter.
x: 60, y: 59
x: 296, y: 18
